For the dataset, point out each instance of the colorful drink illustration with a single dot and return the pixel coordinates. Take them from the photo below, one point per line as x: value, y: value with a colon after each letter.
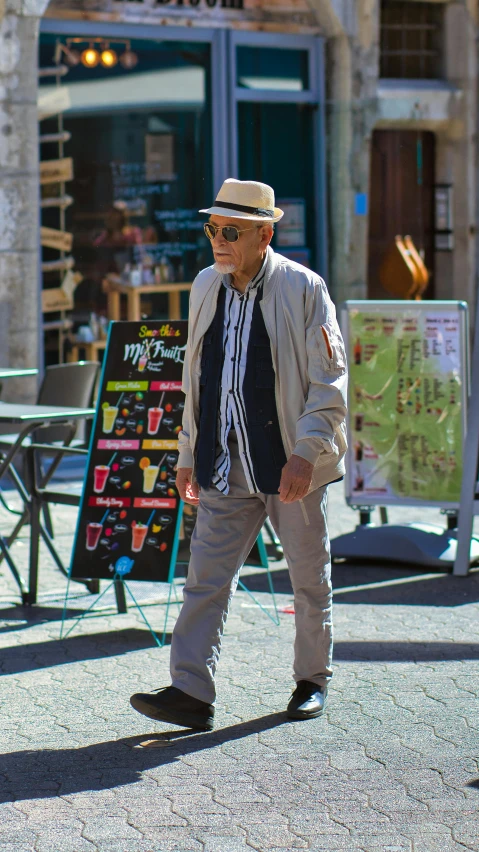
x: 142, y: 362
x: 154, y: 420
x: 109, y: 416
x: 93, y: 533
x: 358, y: 422
x: 154, y: 417
x: 100, y: 477
x: 138, y: 534
x: 150, y: 475
x: 357, y: 351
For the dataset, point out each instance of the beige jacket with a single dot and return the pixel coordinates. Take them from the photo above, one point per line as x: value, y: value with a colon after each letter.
x: 308, y: 357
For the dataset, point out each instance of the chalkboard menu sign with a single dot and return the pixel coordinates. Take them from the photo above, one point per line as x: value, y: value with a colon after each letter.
x: 129, y: 510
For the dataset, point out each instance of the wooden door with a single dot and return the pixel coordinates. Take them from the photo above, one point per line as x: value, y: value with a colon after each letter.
x: 401, y: 199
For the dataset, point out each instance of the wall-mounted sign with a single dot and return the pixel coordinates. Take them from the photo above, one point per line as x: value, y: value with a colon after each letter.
x: 225, y: 4
x: 279, y: 15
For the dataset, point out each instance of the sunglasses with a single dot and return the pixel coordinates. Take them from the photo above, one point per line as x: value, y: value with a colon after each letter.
x: 229, y: 232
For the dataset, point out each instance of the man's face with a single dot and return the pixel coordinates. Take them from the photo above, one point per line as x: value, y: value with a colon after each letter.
x: 248, y: 248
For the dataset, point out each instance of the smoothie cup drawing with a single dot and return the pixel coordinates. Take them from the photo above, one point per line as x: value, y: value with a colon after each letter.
x: 109, y: 417
x: 138, y: 535
x: 150, y: 475
x: 100, y: 478
x: 143, y: 361
x: 154, y: 420
x: 93, y: 533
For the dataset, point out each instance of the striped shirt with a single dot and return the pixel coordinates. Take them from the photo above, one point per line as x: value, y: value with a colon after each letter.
x: 231, y: 411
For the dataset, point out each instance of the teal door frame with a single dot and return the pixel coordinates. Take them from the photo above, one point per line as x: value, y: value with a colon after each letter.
x: 225, y: 95
x: 314, y: 95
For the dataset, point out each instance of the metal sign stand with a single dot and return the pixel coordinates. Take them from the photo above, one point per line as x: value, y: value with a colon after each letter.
x: 422, y: 544
x: 121, y: 586
x: 469, y: 505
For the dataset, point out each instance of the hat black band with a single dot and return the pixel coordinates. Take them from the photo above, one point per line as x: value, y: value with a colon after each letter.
x: 257, y: 211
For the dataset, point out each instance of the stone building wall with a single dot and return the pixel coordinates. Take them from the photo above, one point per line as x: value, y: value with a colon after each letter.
x: 355, y: 106
x: 19, y: 192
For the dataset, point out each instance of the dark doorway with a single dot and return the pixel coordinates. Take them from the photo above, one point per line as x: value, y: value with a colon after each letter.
x: 401, y: 199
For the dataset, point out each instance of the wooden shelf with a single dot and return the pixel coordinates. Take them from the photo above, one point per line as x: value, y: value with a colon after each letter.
x: 115, y: 289
x: 91, y: 350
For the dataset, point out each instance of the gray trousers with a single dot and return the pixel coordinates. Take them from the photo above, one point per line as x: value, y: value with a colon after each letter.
x: 226, y: 529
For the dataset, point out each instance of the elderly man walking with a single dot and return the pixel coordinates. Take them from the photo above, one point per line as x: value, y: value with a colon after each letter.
x: 263, y: 434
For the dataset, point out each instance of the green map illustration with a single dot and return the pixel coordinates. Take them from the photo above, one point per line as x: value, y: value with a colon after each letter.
x: 406, y: 403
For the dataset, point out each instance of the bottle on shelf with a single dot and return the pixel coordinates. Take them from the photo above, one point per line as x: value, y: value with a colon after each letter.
x: 164, y: 270
x: 94, y: 326
x: 147, y: 270
x: 136, y: 275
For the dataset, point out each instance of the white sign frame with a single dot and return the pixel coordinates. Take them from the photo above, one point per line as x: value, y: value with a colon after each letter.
x: 399, y: 306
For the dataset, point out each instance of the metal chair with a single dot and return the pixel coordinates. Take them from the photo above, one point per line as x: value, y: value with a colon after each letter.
x: 71, y: 384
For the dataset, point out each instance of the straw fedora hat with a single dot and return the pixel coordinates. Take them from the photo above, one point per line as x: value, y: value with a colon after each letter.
x: 246, y: 199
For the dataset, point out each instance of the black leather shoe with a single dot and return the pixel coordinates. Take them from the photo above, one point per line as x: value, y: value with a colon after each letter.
x: 307, y: 700
x: 172, y: 705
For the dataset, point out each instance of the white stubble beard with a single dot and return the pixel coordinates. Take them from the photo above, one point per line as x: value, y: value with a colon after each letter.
x: 224, y: 268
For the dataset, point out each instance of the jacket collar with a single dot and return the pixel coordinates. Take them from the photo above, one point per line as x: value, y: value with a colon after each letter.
x: 208, y: 306
x: 271, y: 266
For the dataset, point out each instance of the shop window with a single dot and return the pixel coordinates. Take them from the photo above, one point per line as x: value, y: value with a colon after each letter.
x: 140, y: 141
x: 270, y: 68
x: 411, y: 39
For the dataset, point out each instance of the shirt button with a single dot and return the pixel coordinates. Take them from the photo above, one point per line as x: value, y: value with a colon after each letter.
x: 236, y: 328
x: 232, y: 359
x: 230, y: 391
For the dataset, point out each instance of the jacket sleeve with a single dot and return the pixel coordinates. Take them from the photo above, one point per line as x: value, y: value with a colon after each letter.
x: 323, y: 419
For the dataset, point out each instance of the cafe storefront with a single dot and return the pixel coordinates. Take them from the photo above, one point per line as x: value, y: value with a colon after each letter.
x: 147, y: 107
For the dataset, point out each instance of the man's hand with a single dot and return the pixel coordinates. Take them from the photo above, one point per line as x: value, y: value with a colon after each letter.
x: 296, y: 479
x: 189, y: 491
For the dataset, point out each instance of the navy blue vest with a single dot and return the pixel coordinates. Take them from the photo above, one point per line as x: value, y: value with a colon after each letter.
x: 264, y: 436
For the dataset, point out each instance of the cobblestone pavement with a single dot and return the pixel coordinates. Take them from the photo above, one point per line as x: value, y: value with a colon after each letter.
x: 392, y: 766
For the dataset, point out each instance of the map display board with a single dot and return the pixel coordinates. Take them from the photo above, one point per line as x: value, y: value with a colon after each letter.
x: 407, y: 401
x: 129, y: 510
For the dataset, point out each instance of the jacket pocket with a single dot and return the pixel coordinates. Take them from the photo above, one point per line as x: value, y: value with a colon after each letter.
x: 331, y: 347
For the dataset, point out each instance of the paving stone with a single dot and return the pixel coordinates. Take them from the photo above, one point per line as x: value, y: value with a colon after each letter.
x: 392, y: 766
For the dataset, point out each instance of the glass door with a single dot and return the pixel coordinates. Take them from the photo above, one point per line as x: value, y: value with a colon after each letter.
x: 277, y: 134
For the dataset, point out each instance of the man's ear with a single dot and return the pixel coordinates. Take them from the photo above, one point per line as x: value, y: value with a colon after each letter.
x: 266, y: 234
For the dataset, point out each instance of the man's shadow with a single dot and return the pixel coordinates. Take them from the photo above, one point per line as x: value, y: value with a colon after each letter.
x: 47, y: 773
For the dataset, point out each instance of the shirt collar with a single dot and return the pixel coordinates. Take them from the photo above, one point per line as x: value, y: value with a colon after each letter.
x: 253, y: 284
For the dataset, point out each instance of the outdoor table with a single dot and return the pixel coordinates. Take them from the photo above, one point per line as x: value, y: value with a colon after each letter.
x: 17, y: 372
x: 29, y: 418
